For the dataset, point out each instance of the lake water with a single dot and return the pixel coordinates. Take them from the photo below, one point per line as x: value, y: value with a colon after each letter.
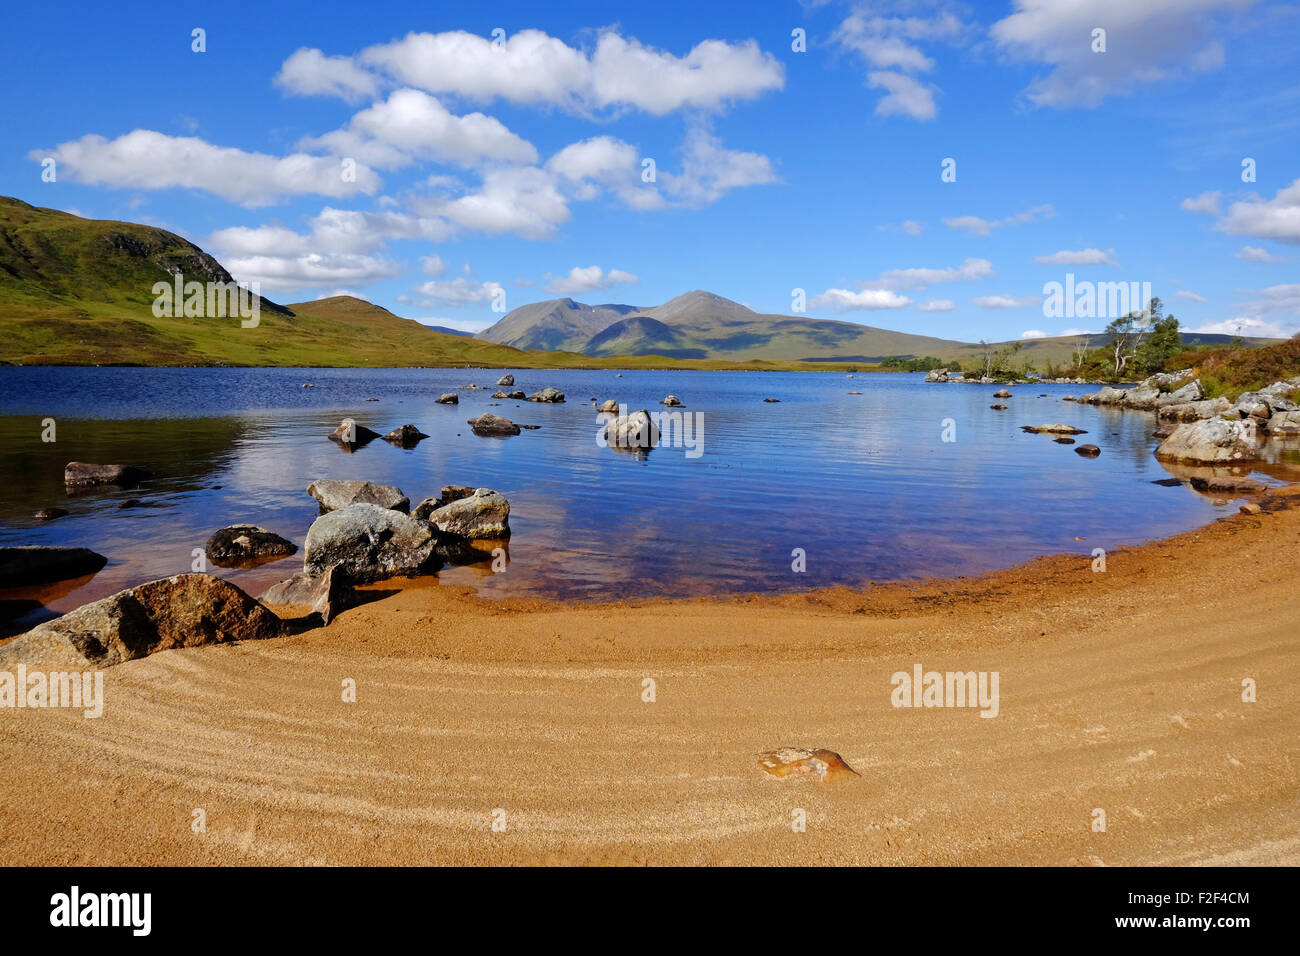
x: 863, y: 483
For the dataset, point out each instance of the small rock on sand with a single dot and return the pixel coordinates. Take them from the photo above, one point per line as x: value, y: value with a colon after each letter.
x: 824, y: 765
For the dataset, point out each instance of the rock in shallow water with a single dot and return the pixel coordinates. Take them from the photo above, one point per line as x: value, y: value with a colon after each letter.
x: 370, y: 543
x: 506, y: 380
x: 481, y: 513
x: 825, y: 766
x: 548, y: 394
x: 1057, y: 429
x: 449, y: 398
x: 81, y: 474
x: 332, y: 495
x: 187, y: 610
x: 37, y: 564
x: 241, y: 544
x: 1209, y: 441
x: 405, y: 436
x: 492, y: 426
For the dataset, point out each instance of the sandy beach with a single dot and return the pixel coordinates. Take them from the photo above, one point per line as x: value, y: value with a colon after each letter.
x: 1119, y: 690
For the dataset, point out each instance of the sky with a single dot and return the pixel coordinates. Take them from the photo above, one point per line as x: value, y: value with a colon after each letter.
x: 922, y: 166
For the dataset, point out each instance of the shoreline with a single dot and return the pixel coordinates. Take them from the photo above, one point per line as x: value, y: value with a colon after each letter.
x: 1120, y: 690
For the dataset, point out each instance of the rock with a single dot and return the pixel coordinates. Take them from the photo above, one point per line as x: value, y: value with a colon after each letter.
x: 1284, y: 425
x: 130, y: 503
x: 405, y: 436
x: 1088, y: 451
x: 370, y: 543
x: 243, y: 544
x: 350, y: 435
x: 1164, y: 431
x: 482, y: 514
x: 610, y: 407
x: 671, y: 400
x: 308, y: 385
x: 1108, y: 395
x: 1227, y: 485
x: 489, y: 425
x: 80, y: 474
x: 825, y: 766
x: 1191, y: 392
x: 449, y: 494
x: 326, y: 594
x: 777, y: 399
x: 937, y: 375
x: 517, y: 395
x: 506, y: 380
x: 1250, y: 508
x: 1068, y: 398
x: 636, y: 430
x: 1057, y: 429
x: 1194, y: 411
x: 1209, y: 441
x: 1002, y: 393
x: 38, y: 564
x: 998, y: 408
x: 1165, y: 379
x: 372, y: 399
x: 499, y: 394
x: 1063, y: 440
x: 548, y: 394
x: 49, y: 514
x: 855, y: 393
x: 448, y: 398
x: 333, y: 495
x: 1142, y: 399
x: 187, y: 610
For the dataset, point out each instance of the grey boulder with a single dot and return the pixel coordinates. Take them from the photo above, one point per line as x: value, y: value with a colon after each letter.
x: 332, y: 495
x: 369, y: 543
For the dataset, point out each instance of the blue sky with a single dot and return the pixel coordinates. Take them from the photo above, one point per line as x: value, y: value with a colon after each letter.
x: 480, y: 168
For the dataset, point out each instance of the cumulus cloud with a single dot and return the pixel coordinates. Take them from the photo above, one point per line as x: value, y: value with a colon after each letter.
x: 1251, y: 326
x: 1277, y: 218
x: 459, y: 291
x: 920, y: 278
x: 1206, y: 202
x: 434, y: 265
x: 1146, y: 42
x: 533, y: 68
x: 888, y: 45
x: 604, y: 163
x: 1033, y: 334
x: 1005, y: 301
x: 937, y: 305
x: 1256, y: 254
x: 710, y: 171
x: 1079, y: 257
x: 589, y: 279
x: 848, y: 300
x: 977, y: 226
x: 145, y: 159
x: 412, y: 125
x: 310, y: 72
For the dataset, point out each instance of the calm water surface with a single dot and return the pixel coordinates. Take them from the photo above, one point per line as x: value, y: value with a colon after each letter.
x: 863, y: 483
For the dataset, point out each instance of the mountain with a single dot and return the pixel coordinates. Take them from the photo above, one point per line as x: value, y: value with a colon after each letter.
x: 703, y: 326
x: 77, y: 291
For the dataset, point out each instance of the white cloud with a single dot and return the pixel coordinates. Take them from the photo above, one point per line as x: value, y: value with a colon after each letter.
x: 144, y: 159
x: 1250, y: 326
x: 310, y: 72
x: 531, y: 67
x: 460, y: 325
x: 460, y: 291
x: 434, y: 265
x: 847, y: 300
x: 920, y: 278
x: 412, y: 125
x: 603, y: 162
x: 1005, y: 301
x: 1206, y: 202
x: 589, y: 279
x: 906, y: 96
x: 520, y: 200
x: 710, y: 171
x: 1277, y: 218
x: 937, y: 305
x: 1033, y: 334
x: 1146, y: 42
x: 1079, y: 257
x: 1256, y: 254
x: 911, y: 227
x: 310, y: 270
x: 984, y: 227
x: 1187, y: 295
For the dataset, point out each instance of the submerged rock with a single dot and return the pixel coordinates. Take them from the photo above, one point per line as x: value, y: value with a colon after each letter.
x: 187, y: 610
x: 998, y: 408
x: 39, y: 564
x: 370, y: 543
x: 517, y: 395
x: 777, y: 399
x: 81, y: 474
x: 332, y: 495
x: 1209, y: 441
x: 825, y: 766
x: 1088, y: 451
x: 241, y: 544
x: 1002, y: 393
x: 1057, y: 429
x: 1227, y: 485
x: 492, y: 426
x: 49, y: 514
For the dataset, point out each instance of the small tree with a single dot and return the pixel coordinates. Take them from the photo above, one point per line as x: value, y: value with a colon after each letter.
x: 1126, y: 334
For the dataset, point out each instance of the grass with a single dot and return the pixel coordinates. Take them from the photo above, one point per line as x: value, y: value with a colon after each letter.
x: 1232, y: 371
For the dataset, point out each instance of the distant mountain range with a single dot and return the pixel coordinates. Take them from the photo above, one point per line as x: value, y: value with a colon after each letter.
x: 701, y: 325
x: 77, y: 291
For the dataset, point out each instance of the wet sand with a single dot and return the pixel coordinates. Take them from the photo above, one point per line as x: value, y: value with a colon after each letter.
x: 1119, y: 690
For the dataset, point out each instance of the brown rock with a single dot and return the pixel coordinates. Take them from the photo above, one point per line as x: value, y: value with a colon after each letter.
x: 826, y: 766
